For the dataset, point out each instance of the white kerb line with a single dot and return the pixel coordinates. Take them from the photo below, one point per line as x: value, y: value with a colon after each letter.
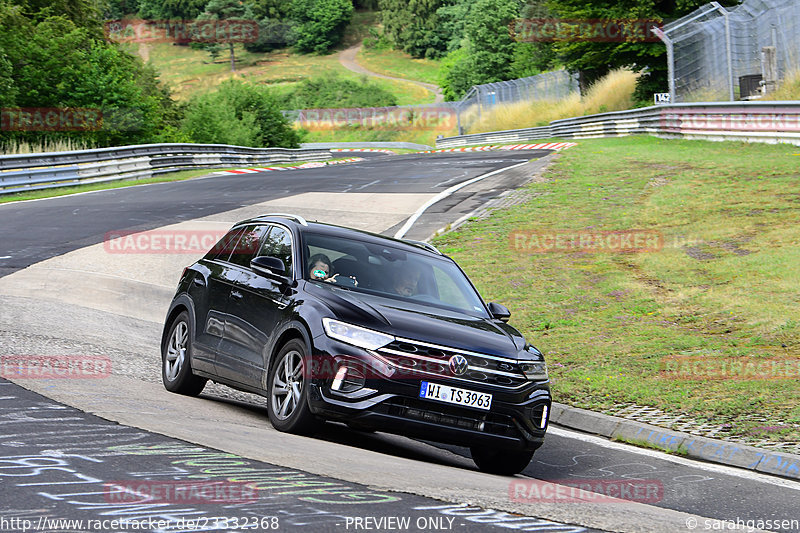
x: 444, y: 194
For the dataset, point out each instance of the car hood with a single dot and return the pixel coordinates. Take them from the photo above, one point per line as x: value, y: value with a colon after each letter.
x: 418, y: 321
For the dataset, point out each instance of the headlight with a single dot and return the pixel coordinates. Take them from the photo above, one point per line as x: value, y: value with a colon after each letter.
x: 355, y: 335
x: 534, y: 370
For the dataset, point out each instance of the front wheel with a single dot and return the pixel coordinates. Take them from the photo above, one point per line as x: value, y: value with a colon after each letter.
x: 501, y: 462
x: 176, y: 356
x: 288, y: 391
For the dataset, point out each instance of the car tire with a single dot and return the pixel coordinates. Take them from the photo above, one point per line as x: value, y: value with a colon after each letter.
x: 176, y: 359
x: 501, y: 462
x: 287, y: 398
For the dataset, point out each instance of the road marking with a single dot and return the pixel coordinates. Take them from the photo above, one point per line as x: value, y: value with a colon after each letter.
x: 368, y: 184
x: 708, y: 467
x: 444, y: 194
x: 442, y: 183
x: 6, y: 257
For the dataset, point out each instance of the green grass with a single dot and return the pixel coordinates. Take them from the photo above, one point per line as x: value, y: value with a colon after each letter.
x: 427, y: 137
x: 187, y: 71
x: 399, y: 65
x: 724, y: 286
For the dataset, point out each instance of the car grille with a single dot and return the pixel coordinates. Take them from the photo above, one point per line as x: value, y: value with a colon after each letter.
x: 429, y: 359
x: 491, y: 423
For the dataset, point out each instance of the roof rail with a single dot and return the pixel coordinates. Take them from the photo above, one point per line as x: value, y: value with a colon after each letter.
x: 422, y: 244
x: 296, y: 218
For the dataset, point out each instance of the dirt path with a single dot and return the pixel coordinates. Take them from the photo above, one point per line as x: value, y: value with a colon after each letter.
x: 348, y: 60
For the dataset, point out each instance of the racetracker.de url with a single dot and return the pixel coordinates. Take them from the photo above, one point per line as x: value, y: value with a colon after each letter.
x: 195, y: 523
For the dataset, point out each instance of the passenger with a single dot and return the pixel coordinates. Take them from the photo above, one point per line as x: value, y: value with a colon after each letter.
x: 319, y: 267
x: 405, y: 282
x: 320, y: 270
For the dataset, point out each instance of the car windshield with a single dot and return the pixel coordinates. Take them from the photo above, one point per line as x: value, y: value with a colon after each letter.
x: 385, y: 270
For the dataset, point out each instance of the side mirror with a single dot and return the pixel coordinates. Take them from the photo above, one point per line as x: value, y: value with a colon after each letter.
x: 500, y: 312
x: 270, y: 267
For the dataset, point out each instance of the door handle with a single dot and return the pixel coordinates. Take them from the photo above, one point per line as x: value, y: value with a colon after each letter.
x: 236, y: 295
x: 200, y: 282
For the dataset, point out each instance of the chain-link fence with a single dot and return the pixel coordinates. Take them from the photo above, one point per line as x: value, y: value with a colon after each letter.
x: 718, y: 53
x: 545, y: 86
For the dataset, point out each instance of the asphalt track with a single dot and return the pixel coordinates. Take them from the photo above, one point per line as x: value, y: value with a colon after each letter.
x: 39, y: 230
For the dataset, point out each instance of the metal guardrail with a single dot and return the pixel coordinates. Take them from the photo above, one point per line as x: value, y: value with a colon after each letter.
x: 771, y: 122
x: 58, y: 169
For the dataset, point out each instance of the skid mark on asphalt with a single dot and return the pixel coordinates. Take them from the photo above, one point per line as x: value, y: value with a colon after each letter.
x: 62, y: 462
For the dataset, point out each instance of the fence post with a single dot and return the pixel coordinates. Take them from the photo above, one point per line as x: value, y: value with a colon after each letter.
x: 670, y: 62
x: 728, y: 51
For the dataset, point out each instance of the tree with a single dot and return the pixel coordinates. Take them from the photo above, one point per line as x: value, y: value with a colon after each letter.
x: 593, y: 60
x: 488, y: 51
x: 221, y: 10
x: 452, y: 20
x: 333, y: 91
x: 320, y: 24
x: 241, y: 114
x: 269, y: 9
x: 8, y: 89
x: 116, y: 9
x: 272, y: 34
x: 82, y: 13
x: 530, y: 59
x: 171, y: 9
x: 53, y: 63
x: 414, y: 26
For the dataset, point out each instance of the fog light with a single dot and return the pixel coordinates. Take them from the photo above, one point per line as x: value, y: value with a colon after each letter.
x: 543, y: 423
x: 339, y: 378
x: 348, y: 379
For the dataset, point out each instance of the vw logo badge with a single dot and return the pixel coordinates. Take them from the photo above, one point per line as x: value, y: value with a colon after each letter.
x: 458, y: 365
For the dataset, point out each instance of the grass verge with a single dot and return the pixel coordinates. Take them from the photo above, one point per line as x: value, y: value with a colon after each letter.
x: 357, y: 134
x: 681, y: 451
x: 706, y: 326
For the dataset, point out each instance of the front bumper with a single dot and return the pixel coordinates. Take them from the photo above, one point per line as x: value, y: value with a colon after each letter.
x: 389, y: 401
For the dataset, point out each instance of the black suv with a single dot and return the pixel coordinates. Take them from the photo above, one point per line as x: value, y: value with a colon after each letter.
x: 331, y: 323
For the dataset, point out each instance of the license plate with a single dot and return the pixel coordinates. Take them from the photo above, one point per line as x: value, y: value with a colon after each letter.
x: 447, y: 394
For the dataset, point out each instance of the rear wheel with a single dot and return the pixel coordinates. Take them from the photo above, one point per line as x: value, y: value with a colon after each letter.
x: 288, y: 391
x: 176, y: 355
x: 501, y: 462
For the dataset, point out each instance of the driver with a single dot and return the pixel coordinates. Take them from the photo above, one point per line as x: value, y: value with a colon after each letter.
x: 405, y: 282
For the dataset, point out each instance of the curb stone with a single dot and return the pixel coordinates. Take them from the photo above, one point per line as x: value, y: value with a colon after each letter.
x: 711, y: 450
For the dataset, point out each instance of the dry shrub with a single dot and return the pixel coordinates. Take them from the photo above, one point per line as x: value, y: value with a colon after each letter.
x: 613, y: 92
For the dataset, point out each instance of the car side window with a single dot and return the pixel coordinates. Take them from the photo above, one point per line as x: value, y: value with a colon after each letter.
x: 222, y: 250
x: 246, y: 247
x: 278, y: 243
